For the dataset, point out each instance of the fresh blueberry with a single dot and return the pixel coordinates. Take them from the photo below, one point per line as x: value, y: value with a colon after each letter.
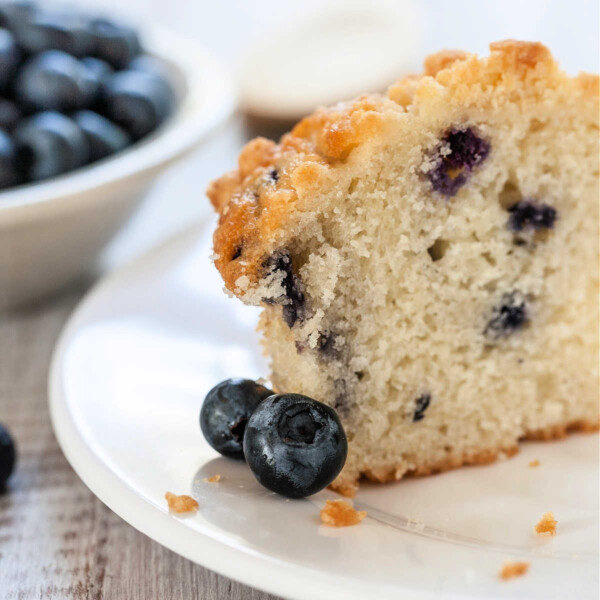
x: 14, y: 14
x: 117, y: 44
x: 56, y: 30
x: 104, y: 137
x: 10, y: 114
x: 531, y: 215
x: 49, y: 144
x: 54, y: 80
x: 9, y: 57
x: 509, y: 315
x: 8, y: 456
x: 8, y: 170
x: 151, y: 65
x: 460, y: 151
x: 225, y: 412
x: 294, y: 445
x: 100, y: 68
x: 137, y: 101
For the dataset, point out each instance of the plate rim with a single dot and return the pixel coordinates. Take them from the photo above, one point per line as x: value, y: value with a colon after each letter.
x: 247, y: 567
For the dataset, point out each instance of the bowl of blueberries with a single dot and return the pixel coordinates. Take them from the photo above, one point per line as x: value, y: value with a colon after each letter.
x: 90, y: 113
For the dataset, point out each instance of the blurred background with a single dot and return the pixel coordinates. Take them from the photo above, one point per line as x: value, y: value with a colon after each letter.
x: 315, y: 40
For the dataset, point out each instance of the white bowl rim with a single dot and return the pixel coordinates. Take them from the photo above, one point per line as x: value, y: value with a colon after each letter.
x: 209, y: 98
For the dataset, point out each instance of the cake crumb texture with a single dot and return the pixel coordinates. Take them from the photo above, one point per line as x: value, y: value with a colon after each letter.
x: 427, y: 260
x: 511, y: 570
x: 339, y: 513
x: 181, y: 504
x: 214, y: 479
x: 534, y: 463
x: 547, y: 524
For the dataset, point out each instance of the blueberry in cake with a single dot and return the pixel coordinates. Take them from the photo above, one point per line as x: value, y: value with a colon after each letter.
x: 427, y: 260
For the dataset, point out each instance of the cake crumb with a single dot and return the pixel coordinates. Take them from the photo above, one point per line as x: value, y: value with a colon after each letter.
x: 534, y: 463
x: 547, y: 524
x: 513, y: 569
x: 339, y: 513
x: 214, y: 479
x: 181, y: 504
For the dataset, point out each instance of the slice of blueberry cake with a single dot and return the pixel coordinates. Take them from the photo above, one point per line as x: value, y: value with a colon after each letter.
x: 427, y: 260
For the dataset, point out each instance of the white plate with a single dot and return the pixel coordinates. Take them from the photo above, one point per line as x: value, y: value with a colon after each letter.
x: 126, y: 385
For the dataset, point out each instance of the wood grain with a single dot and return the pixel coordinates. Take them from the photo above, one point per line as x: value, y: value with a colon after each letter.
x: 57, y: 540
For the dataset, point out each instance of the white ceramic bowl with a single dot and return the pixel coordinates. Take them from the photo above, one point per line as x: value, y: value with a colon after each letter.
x: 51, y: 232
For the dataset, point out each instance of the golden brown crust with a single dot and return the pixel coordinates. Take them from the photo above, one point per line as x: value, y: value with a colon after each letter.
x: 434, y: 63
x: 518, y: 55
x: 393, y: 472
x: 259, y: 202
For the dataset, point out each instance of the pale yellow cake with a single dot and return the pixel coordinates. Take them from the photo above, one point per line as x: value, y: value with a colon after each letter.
x: 427, y: 259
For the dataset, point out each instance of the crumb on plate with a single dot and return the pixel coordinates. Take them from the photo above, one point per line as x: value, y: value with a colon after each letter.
x: 214, y: 479
x: 547, y: 524
x: 181, y: 504
x: 534, y: 463
x: 339, y: 513
x: 513, y: 569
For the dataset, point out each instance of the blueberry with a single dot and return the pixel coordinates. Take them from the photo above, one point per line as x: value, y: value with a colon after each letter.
x: 225, y: 412
x: 294, y: 445
x: 463, y: 149
x: 8, y: 163
x: 151, y: 65
x: 58, y: 30
x: 9, y: 57
x: 104, y: 137
x: 293, y: 299
x: 8, y: 456
x: 117, y: 44
x: 326, y: 345
x: 100, y: 68
x: 15, y: 14
x: 531, y: 215
x: 49, y: 144
x: 421, y: 405
x: 10, y: 114
x: 137, y: 101
x: 509, y: 315
x: 54, y: 80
